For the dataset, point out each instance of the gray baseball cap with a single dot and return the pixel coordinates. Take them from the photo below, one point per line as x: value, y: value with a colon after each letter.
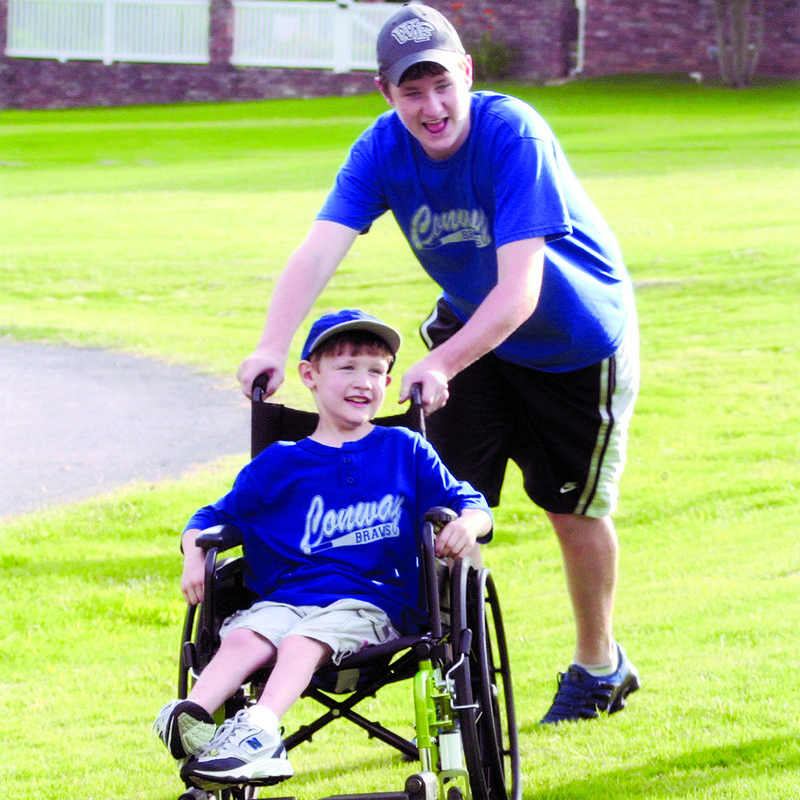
x: 417, y: 33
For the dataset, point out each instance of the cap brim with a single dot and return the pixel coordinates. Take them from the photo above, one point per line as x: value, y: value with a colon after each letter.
x: 385, y: 332
x: 449, y: 59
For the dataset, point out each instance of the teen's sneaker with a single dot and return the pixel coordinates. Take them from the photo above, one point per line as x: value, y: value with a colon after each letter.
x: 241, y: 752
x: 184, y: 727
x: 581, y: 695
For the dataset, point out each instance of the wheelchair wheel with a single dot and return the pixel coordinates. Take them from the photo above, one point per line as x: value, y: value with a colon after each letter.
x: 483, y: 688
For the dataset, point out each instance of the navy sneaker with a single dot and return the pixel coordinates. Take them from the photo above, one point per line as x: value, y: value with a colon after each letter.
x: 240, y: 752
x: 581, y: 695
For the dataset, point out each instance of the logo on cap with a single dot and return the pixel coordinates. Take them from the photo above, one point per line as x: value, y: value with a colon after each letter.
x: 413, y: 30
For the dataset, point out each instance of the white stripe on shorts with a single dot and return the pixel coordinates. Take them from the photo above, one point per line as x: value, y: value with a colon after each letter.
x: 619, y: 389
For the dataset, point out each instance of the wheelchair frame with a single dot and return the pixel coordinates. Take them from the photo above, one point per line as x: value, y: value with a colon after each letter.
x: 466, y: 735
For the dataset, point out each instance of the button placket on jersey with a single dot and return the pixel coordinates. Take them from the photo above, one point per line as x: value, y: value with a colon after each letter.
x: 347, y: 466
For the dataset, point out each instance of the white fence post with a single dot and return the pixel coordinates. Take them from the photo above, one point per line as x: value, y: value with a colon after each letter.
x: 342, y: 36
x: 109, y: 31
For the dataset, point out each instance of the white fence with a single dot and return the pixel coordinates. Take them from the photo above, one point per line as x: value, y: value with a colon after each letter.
x: 173, y: 31
x: 339, y: 36
x: 327, y: 35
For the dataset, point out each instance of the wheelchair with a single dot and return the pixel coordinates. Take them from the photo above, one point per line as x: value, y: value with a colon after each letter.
x: 466, y: 741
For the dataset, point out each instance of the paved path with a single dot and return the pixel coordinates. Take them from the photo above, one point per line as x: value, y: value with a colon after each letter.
x: 75, y: 423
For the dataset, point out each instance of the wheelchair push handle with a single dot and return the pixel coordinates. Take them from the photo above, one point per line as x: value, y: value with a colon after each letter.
x: 260, y: 387
x: 416, y: 410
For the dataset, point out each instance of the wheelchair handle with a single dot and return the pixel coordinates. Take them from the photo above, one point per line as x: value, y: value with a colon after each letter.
x: 260, y: 387
x: 416, y: 409
x: 439, y: 516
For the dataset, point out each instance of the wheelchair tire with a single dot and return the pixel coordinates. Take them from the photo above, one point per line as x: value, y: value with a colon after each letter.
x: 483, y: 688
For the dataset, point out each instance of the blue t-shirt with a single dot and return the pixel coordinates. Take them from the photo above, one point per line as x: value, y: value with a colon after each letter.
x: 509, y: 181
x: 324, y: 523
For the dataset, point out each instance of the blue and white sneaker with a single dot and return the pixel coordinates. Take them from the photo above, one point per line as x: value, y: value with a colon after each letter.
x: 184, y: 727
x: 241, y: 752
x: 581, y: 695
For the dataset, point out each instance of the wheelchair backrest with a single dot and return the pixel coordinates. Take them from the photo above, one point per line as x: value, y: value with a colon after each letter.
x: 272, y: 422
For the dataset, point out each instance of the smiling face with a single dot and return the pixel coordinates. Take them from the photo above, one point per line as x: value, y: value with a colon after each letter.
x: 349, y: 387
x: 434, y: 106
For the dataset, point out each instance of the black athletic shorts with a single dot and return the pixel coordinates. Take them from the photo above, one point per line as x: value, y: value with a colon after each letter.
x: 567, y: 431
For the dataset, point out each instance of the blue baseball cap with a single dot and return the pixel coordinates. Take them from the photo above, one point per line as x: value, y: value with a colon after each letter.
x: 349, y: 319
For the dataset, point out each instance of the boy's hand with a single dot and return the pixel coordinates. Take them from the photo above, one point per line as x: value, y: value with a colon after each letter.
x: 261, y: 362
x: 434, y: 391
x: 454, y: 540
x: 459, y: 538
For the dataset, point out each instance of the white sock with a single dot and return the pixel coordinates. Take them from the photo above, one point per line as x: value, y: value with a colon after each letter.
x: 264, y: 717
x: 602, y: 670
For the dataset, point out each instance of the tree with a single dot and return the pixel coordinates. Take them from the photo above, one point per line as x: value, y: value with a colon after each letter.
x: 740, y: 32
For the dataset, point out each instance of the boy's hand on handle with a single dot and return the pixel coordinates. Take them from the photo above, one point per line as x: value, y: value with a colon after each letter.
x: 262, y: 362
x: 434, y: 392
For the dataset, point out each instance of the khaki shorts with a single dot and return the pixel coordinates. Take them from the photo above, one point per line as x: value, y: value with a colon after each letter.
x: 346, y: 626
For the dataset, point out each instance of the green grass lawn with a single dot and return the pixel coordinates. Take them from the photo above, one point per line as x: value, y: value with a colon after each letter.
x: 161, y: 230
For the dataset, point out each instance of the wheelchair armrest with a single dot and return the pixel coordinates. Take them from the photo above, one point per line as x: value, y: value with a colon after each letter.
x: 223, y: 537
x: 440, y: 516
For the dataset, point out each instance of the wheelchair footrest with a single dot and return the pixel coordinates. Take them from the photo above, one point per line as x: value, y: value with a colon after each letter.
x: 369, y: 796
x: 422, y: 786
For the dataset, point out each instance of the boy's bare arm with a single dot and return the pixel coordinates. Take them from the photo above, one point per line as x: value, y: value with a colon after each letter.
x: 194, y: 568
x: 513, y: 299
x: 459, y: 538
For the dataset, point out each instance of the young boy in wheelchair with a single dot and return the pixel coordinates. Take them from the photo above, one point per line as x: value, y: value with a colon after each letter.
x: 330, y: 528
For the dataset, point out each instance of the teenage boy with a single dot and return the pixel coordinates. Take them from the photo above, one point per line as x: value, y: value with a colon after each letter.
x: 534, y: 341
x: 330, y: 529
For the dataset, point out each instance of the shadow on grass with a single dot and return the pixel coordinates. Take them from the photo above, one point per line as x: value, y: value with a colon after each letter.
x: 686, y: 774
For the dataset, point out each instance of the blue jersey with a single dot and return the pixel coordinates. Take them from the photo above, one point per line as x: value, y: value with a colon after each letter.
x: 324, y: 523
x: 509, y: 181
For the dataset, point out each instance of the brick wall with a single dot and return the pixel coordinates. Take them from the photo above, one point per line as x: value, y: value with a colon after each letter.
x: 680, y: 36
x: 621, y: 36
x: 529, y: 30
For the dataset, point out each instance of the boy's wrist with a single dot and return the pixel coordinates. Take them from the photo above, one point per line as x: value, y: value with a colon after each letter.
x: 188, y: 546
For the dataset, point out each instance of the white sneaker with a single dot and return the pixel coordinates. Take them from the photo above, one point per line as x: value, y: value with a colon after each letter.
x: 241, y: 752
x: 184, y: 727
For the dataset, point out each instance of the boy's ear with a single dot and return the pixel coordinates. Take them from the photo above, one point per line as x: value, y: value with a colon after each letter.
x: 306, y: 371
x: 469, y: 73
x: 384, y: 90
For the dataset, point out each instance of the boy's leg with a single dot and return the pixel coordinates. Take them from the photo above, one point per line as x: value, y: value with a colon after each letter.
x: 297, y: 660
x: 186, y: 726
x: 241, y: 653
x: 601, y: 677
x: 249, y: 748
x: 590, y: 551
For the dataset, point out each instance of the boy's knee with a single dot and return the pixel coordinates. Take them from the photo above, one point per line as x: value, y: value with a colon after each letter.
x: 244, y: 639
